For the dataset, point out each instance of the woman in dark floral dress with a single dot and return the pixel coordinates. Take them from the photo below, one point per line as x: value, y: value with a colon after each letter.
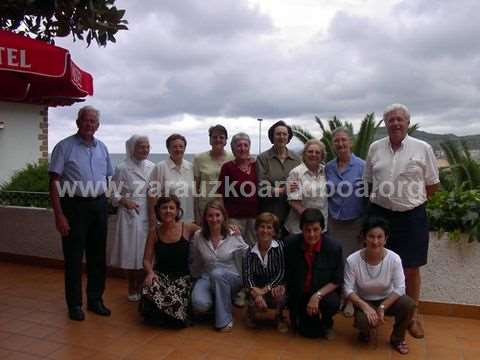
x: 167, y: 286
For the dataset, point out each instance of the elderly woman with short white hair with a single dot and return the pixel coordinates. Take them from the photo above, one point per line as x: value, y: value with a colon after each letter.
x: 129, y: 182
x: 308, y: 185
x: 238, y: 187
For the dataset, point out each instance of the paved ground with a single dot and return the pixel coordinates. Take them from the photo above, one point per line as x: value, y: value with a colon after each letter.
x: 34, y: 325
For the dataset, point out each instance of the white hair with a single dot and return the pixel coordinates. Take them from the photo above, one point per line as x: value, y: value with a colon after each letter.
x: 342, y: 129
x: 237, y: 137
x: 394, y: 107
x: 86, y: 109
x: 132, y: 142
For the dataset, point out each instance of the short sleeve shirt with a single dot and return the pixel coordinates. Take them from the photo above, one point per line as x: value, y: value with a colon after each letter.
x: 399, y: 177
x: 346, y: 200
x: 83, y: 168
x: 206, y: 171
x: 312, y: 192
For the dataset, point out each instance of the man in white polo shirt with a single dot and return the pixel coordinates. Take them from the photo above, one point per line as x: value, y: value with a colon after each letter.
x: 402, y: 174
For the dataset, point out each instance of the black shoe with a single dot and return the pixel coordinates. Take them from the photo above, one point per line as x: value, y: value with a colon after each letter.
x: 364, y: 338
x: 76, y: 313
x: 99, y: 308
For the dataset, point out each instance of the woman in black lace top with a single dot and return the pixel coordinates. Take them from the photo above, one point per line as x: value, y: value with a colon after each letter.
x: 167, y: 288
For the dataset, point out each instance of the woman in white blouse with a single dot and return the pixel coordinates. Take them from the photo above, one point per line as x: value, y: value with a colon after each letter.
x: 375, y: 283
x: 130, y: 181
x: 307, y: 186
x: 173, y: 176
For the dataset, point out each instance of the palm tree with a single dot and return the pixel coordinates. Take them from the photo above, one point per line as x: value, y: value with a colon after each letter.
x: 365, y: 136
x: 463, y: 172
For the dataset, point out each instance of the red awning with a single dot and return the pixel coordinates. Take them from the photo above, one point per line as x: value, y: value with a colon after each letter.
x: 35, y: 72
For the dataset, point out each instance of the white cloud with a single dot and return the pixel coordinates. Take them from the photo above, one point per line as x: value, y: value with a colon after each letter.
x: 184, y: 66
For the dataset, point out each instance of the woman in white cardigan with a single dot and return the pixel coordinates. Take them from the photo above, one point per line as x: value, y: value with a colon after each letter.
x: 129, y: 184
x: 375, y: 283
x: 216, y: 262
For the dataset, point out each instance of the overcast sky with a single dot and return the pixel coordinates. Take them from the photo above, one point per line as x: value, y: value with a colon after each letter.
x: 187, y: 64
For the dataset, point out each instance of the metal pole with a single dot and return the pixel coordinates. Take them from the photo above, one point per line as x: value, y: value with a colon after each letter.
x: 259, y: 136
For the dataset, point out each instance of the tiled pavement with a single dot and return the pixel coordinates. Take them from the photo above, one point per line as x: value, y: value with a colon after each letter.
x: 34, y: 325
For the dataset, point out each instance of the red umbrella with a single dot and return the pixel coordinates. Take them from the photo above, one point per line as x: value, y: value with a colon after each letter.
x: 35, y: 72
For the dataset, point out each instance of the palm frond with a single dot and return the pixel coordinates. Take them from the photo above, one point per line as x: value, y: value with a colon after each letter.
x: 465, y: 171
x: 301, y: 134
x: 412, y: 128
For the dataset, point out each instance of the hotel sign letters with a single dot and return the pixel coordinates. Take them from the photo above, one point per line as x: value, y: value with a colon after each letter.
x: 16, y: 58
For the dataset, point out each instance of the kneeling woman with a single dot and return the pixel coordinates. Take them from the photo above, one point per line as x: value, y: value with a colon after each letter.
x: 264, y: 271
x: 167, y: 287
x: 375, y: 283
x: 314, y: 274
x: 216, y: 262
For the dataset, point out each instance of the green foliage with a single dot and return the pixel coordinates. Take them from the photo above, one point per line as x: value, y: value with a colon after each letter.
x: 34, y: 178
x: 365, y: 136
x: 302, y: 134
x: 87, y: 20
x: 456, y: 212
x: 463, y: 172
x: 27, y: 187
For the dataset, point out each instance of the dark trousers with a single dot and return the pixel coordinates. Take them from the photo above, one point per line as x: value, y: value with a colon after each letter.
x: 402, y: 310
x: 272, y: 303
x: 315, y: 326
x: 88, y: 234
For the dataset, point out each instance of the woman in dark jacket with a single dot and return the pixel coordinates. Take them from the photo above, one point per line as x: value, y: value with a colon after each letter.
x: 314, y: 276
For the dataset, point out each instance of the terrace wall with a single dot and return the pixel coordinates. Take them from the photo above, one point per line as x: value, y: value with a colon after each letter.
x: 452, y: 275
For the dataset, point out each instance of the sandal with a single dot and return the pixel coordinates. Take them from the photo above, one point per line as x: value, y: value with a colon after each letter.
x: 400, y: 346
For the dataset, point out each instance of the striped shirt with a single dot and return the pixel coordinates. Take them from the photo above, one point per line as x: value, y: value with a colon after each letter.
x: 270, y: 270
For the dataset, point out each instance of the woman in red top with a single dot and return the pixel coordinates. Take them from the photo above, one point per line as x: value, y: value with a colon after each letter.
x: 314, y: 276
x: 238, y: 189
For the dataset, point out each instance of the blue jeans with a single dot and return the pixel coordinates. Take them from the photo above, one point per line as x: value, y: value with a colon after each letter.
x: 217, y: 287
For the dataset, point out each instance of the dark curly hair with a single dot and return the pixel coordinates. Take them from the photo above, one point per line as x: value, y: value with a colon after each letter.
x: 271, y: 131
x: 166, y: 199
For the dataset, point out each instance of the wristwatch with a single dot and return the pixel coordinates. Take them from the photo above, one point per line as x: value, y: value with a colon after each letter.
x: 382, y: 307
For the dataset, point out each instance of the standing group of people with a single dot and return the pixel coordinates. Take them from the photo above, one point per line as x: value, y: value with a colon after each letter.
x: 289, y: 229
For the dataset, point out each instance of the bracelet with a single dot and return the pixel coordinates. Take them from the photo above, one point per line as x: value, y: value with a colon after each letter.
x: 382, y: 307
x: 319, y: 294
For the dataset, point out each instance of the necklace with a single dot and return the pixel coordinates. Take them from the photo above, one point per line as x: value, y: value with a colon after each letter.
x: 374, y: 276
x: 245, y: 168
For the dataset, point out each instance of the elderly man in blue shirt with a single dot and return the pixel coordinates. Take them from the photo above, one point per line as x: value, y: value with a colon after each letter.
x: 347, y: 200
x: 79, y: 169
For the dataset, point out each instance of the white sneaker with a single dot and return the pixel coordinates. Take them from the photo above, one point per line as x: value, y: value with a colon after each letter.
x: 134, y: 297
x: 227, y: 328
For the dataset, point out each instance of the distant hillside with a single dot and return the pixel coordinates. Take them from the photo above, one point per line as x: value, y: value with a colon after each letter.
x: 473, y: 141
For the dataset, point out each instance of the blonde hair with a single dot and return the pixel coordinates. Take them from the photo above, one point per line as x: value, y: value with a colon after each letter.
x: 310, y: 142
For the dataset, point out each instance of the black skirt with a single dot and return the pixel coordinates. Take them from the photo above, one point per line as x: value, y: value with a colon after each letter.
x: 167, y: 300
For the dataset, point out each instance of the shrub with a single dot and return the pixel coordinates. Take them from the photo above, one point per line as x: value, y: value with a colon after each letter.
x: 34, y: 178
x: 456, y: 212
x: 27, y: 187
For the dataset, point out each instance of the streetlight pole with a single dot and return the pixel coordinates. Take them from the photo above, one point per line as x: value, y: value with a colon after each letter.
x: 259, y: 136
